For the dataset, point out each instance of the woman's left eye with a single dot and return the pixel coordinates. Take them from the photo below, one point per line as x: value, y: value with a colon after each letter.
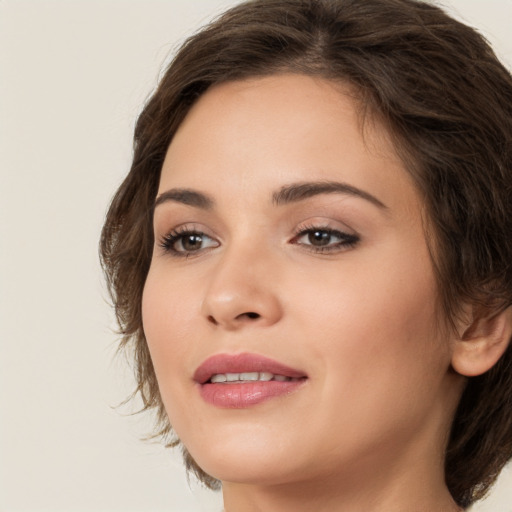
x: 186, y: 243
x: 325, y: 239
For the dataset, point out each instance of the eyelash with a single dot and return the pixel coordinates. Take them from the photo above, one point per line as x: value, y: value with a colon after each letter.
x: 346, y: 240
x: 169, y: 241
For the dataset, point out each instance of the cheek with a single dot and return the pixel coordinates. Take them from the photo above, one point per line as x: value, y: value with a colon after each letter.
x: 167, y: 313
x: 380, y: 368
x: 376, y: 333
x: 373, y: 294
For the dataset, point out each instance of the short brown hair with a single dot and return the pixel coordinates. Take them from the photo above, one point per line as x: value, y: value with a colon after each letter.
x: 447, y: 102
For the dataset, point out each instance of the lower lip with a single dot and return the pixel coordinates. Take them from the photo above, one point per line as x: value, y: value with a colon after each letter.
x: 242, y: 395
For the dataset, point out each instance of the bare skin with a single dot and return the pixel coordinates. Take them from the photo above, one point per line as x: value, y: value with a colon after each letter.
x: 337, y: 283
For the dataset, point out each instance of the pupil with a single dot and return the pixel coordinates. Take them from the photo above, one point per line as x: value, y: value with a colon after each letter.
x: 192, y: 242
x: 319, y: 238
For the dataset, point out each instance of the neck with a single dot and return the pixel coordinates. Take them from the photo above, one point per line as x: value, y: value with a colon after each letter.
x: 400, y: 478
x: 387, y: 493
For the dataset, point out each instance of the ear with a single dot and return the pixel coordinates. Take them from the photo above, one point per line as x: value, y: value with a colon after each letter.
x: 483, y: 343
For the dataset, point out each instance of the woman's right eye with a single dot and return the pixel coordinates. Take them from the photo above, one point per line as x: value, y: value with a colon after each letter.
x: 184, y: 243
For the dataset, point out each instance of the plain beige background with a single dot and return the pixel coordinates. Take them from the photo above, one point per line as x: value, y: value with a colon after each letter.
x: 73, y: 76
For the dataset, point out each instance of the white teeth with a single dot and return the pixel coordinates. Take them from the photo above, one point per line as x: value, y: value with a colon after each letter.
x: 247, y: 377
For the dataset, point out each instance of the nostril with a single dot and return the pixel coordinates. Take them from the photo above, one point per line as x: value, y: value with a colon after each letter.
x: 212, y: 320
x: 252, y: 315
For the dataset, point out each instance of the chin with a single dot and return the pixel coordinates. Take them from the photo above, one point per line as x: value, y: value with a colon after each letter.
x: 254, y: 471
x: 248, y: 458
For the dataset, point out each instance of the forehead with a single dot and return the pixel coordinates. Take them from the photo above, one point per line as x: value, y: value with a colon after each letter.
x: 282, y: 128
x: 287, y: 103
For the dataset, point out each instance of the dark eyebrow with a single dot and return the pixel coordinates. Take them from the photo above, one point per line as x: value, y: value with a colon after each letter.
x: 185, y: 196
x: 300, y: 191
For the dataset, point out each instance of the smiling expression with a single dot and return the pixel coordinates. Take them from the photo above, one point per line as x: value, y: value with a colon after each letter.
x: 284, y: 234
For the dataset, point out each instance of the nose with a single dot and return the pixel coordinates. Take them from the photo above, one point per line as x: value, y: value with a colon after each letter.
x: 242, y: 291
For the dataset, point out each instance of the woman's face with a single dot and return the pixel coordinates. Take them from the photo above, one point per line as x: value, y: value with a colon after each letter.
x: 289, y: 248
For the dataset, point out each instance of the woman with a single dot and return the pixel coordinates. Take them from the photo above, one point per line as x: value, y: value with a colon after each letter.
x: 311, y: 255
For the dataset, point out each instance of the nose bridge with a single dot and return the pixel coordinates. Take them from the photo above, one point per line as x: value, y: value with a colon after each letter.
x: 242, y: 289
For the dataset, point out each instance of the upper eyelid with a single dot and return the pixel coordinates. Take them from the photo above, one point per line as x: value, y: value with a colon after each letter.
x: 305, y: 226
x: 324, y: 228
x: 333, y: 231
x: 327, y: 224
x: 182, y: 230
x: 182, y: 227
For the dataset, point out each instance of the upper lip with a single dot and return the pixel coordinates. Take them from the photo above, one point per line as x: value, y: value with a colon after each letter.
x: 240, y: 363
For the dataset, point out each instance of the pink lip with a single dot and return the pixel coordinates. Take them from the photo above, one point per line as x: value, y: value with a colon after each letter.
x: 241, y: 395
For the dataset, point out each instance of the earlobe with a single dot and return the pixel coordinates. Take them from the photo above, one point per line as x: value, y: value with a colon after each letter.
x: 483, y: 343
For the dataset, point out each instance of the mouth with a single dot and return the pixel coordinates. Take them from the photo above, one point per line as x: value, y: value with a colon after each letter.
x: 237, y: 381
x: 236, y: 378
